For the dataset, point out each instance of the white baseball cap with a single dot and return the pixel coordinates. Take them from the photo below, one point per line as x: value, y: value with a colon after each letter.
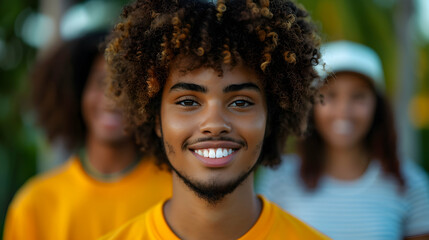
x: 346, y: 56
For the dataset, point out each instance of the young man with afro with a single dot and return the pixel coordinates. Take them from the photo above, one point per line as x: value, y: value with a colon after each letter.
x: 214, y: 90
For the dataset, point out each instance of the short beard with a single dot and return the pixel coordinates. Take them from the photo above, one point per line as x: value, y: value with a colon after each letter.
x: 213, y: 192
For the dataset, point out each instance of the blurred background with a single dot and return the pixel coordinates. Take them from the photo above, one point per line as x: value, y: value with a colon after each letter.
x: 398, y: 30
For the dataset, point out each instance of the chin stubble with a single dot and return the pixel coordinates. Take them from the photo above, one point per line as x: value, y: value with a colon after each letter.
x: 212, y: 191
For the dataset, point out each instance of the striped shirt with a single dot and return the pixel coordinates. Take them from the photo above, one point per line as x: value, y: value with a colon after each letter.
x: 370, y: 208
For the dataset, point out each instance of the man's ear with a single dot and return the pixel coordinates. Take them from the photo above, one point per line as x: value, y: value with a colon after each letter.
x: 158, y: 126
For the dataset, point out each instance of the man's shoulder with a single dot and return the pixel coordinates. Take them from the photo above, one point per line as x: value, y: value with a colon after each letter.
x: 274, y: 223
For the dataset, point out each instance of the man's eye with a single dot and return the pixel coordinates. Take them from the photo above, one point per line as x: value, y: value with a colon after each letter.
x: 187, y: 103
x: 241, y: 103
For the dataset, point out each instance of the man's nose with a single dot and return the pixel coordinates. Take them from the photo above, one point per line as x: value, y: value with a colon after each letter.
x: 215, y: 121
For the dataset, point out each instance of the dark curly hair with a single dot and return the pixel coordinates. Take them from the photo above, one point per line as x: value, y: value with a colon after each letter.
x: 275, y: 38
x: 57, y: 83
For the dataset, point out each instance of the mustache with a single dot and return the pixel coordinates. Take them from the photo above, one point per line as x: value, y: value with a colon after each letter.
x: 208, y: 139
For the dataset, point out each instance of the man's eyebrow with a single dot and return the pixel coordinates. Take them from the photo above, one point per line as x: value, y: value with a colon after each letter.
x: 188, y: 86
x: 238, y: 87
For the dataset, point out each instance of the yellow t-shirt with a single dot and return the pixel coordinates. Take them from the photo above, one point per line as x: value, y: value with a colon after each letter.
x: 272, y: 224
x: 68, y: 204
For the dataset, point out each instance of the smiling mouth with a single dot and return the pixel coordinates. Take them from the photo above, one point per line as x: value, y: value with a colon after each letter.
x: 214, y: 152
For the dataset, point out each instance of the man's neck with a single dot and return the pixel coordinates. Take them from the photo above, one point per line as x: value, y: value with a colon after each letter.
x: 110, y: 158
x: 191, y: 217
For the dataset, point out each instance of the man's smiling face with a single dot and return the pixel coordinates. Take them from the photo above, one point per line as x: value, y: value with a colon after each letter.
x: 213, y: 127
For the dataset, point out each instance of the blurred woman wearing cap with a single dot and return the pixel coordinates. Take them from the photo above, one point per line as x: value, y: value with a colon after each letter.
x: 346, y: 179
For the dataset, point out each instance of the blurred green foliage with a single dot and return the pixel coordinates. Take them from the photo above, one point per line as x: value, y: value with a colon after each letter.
x: 361, y: 21
x: 423, y: 86
x: 17, y: 136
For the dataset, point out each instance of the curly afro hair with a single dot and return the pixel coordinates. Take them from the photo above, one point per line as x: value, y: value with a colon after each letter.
x: 275, y: 38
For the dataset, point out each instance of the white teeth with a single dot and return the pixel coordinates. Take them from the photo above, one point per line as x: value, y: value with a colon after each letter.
x: 225, y: 152
x: 219, y: 153
x: 214, y: 152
